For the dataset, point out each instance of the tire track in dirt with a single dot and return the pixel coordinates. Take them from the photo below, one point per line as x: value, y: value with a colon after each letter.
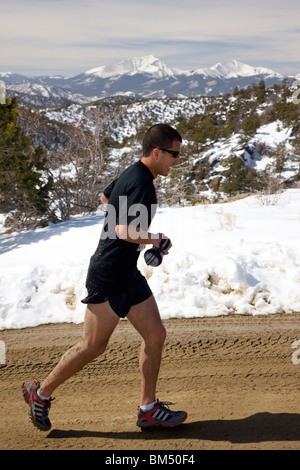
x: 228, y: 372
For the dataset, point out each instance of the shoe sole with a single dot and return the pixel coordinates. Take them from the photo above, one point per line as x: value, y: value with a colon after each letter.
x: 160, y: 425
x: 36, y: 424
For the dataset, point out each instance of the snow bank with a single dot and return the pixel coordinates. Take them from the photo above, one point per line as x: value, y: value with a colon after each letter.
x: 242, y: 257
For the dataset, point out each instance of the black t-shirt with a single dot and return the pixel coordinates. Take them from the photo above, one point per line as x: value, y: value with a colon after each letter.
x: 132, y: 201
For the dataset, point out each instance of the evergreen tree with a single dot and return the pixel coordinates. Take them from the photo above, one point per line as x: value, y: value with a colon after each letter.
x: 241, y: 178
x: 24, y: 189
x: 250, y: 124
x: 261, y: 92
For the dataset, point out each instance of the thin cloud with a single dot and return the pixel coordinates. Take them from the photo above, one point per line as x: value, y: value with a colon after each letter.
x: 70, y: 36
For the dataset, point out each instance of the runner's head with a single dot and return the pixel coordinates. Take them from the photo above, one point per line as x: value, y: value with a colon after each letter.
x: 161, y: 149
x: 160, y: 136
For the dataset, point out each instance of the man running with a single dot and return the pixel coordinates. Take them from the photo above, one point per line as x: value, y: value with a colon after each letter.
x: 116, y: 288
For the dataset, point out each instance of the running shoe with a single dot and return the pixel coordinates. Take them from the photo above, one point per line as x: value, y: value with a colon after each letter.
x: 160, y: 415
x: 39, y: 409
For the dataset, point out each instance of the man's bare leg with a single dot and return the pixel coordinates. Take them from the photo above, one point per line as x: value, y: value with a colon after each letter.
x: 146, y: 320
x: 100, y: 322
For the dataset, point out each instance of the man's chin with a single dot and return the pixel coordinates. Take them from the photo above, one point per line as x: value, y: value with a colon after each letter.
x: 165, y: 172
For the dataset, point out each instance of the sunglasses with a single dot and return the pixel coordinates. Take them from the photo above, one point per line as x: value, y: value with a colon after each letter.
x: 171, y: 152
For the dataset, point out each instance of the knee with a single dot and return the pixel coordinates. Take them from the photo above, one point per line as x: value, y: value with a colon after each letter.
x: 94, y: 349
x: 157, y: 338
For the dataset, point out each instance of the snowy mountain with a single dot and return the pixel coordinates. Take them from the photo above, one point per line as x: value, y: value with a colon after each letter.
x: 235, y: 69
x: 144, y: 65
x: 143, y: 77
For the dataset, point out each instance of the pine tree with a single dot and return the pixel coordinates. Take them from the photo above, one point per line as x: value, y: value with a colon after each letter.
x: 261, y: 92
x: 241, y: 178
x: 24, y: 189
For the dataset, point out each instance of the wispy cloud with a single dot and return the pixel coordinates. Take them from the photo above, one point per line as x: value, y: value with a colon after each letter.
x: 70, y: 36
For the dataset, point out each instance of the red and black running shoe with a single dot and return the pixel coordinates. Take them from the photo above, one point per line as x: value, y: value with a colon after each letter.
x: 39, y: 409
x: 160, y: 415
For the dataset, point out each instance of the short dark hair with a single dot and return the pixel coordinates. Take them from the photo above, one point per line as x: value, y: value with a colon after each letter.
x: 159, y: 135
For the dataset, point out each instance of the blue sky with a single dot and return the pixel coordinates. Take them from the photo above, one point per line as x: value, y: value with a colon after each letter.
x: 68, y: 37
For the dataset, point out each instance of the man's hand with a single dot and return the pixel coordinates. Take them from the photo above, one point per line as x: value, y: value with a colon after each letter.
x: 157, y: 242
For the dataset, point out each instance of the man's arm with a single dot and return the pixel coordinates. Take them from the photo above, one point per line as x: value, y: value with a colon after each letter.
x: 133, y: 234
x: 107, y: 192
x: 104, y: 199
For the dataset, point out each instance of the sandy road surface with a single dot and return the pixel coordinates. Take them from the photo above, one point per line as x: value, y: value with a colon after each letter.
x: 234, y: 375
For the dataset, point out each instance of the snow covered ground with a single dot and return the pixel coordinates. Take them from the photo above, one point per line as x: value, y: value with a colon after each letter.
x: 241, y: 257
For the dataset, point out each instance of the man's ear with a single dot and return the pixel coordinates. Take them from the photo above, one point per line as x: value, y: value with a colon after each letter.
x: 155, y: 153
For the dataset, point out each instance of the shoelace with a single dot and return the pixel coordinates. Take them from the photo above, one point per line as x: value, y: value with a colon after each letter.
x: 49, y: 403
x: 163, y: 404
x: 166, y: 405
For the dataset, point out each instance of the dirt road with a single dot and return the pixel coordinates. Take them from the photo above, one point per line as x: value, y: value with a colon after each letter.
x: 234, y: 375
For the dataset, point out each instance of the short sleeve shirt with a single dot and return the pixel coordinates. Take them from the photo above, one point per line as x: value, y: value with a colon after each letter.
x: 132, y: 201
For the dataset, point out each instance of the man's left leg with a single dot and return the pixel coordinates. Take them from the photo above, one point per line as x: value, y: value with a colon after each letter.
x: 146, y: 320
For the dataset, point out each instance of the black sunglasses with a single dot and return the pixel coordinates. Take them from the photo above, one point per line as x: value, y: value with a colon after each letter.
x: 171, y: 152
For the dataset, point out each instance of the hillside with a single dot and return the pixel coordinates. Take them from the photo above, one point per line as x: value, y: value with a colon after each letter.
x: 239, y: 143
x: 253, y: 131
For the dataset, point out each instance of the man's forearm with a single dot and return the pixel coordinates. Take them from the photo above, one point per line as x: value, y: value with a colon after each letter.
x: 133, y: 234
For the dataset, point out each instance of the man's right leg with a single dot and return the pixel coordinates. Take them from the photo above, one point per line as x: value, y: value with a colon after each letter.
x: 99, y: 324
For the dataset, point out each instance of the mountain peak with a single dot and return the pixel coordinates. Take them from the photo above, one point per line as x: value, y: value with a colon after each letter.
x: 145, y: 77
x: 146, y: 64
x: 234, y: 69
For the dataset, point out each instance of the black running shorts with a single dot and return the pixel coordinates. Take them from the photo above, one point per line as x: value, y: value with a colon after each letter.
x: 122, y: 302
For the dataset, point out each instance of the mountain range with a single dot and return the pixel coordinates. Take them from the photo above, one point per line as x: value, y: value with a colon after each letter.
x: 139, y: 77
